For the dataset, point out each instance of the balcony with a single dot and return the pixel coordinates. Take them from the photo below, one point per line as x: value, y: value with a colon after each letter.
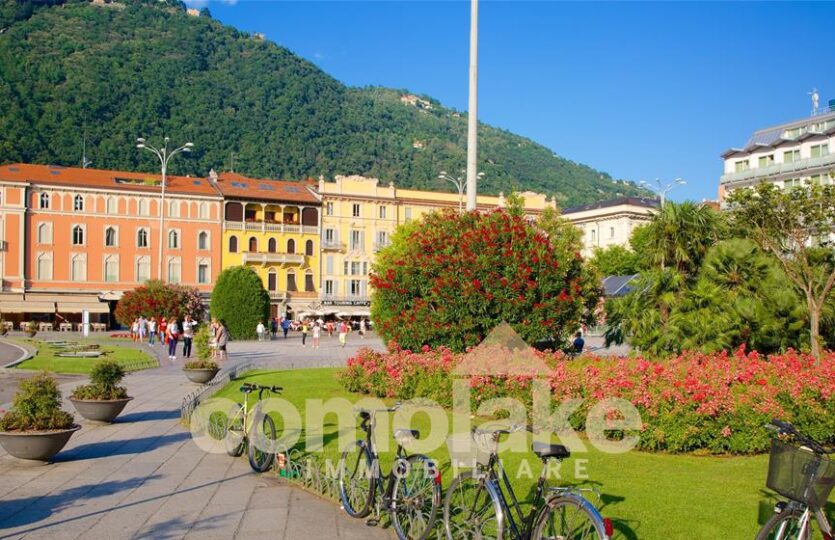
x: 331, y: 245
x: 778, y: 169
x: 329, y: 300
x: 270, y: 226
x: 278, y: 296
x: 259, y: 257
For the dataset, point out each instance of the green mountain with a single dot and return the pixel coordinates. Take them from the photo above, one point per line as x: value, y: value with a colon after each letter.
x: 112, y: 72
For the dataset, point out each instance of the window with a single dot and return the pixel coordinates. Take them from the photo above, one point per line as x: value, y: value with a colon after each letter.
x: 291, y: 281
x: 790, y: 156
x: 272, y: 282
x: 740, y: 166
x: 355, y: 268
x: 354, y: 287
x: 382, y: 239
x: 44, y: 201
x: 142, y: 238
x: 110, y: 237
x: 765, y: 161
x: 329, y: 264
x: 593, y: 234
x: 203, y: 240
x: 78, y: 203
x: 611, y: 232
x: 203, y: 212
x: 111, y: 206
x: 407, y: 213
x: 308, y: 248
x: 347, y: 266
x: 233, y: 244
x: 329, y: 209
x: 78, y: 269
x: 174, y: 270
x: 330, y: 236
x: 272, y: 245
x: 308, y: 282
x: 365, y: 268
x: 328, y: 287
x: 143, y: 207
x: 173, y: 209
x: 143, y: 269
x: 253, y: 244
x: 173, y: 239
x: 819, y: 150
x: 111, y: 268
x: 817, y: 179
x: 792, y: 183
x: 355, y: 210
x: 45, y: 266
x: 45, y: 233
x: 291, y: 246
x: 382, y: 212
x: 356, y: 240
x: 202, y: 272
x: 78, y: 235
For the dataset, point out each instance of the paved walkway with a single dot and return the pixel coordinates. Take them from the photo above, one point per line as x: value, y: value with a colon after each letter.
x: 143, y: 477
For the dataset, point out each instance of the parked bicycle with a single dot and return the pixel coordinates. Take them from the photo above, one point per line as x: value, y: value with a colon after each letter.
x: 243, y: 428
x: 480, y: 503
x: 801, y: 471
x: 410, y: 492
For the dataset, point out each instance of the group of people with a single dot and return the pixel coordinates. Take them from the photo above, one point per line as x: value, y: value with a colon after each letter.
x: 167, y: 331
x: 306, y: 326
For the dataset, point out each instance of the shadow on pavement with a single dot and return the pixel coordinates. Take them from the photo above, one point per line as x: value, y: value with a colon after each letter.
x: 148, y: 416
x: 120, y: 447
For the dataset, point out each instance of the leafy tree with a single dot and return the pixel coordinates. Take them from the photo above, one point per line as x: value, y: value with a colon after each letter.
x: 680, y: 234
x: 240, y: 301
x: 639, y: 241
x: 615, y: 261
x: 451, y: 278
x: 795, y: 226
x: 159, y: 299
x: 566, y: 238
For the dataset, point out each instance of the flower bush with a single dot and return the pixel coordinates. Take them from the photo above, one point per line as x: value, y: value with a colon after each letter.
x: 159, y: 299
x: 715, y: 403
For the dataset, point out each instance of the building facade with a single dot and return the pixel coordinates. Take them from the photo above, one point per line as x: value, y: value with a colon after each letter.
x: 793, y: 154
x: 273, y: 227
x: 610, y: 223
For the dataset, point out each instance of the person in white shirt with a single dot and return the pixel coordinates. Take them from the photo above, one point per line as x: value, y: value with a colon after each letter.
x: 317, y: 329
x: 152, y: 331
x: 188, y: 335
x: 260, y: 330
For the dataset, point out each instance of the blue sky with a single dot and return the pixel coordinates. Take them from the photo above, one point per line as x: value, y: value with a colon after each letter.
x: 639, y: 90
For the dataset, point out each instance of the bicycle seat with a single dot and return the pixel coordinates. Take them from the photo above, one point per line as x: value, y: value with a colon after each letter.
x: 547, y: 450
x: 405, y: 435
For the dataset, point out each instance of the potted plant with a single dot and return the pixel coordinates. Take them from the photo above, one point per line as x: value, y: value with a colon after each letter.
x: 103, y: 399
x: 36, y: 427
x: 204, y: 368
x: 32, y: 329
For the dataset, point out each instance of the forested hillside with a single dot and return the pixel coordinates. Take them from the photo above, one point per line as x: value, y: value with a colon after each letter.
x: 114, y: 72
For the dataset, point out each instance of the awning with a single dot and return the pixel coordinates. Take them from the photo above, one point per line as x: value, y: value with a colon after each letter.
x: 30, y: 306
x: 78, y: 307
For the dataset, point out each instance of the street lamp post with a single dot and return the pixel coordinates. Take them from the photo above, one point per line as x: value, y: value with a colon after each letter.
x: 662, y: 188
x: 460, y: 183
x: 472, y: 110
x: 164, y: 157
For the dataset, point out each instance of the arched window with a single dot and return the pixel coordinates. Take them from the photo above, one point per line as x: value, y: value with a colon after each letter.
x: 272, y: 282
x: 79, y: 268
x: 143, y: 269
x: 110, y: 237
x: 173, y: 209
x: 308, y: 248
x: 233, y: 244
x: 111, y: 205
x: 271, y: 245
x: 44, y: 201
x: 308, y: 281
x: 174, y: 270
x: 253, y: 244
x: 291, y: 246
x: 204, y: 210
x: 111, y: 268
x: 78, y: 235
x: 203, y: 271
x: 291, y: 281
x: 173, y: 239
x: 45, y: 233
x: 142, y: 238
x: 78, y: 203
x: 45, y: 266
x: 203, y: 240
x: 143, y: 207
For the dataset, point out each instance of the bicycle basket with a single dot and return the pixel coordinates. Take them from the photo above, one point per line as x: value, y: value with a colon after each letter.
x: 468, y: 450
x: 800, y: 474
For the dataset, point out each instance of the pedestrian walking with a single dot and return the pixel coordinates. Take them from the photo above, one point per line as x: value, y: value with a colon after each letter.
x: 172, y: 332
x: 317, y: 329
x: 285, y: 326
x: 273, y: 327
x: 188, y: 335
x: 305, y: 330
x: 221, y: 338
x: 260, y: 330
x: 330, y: 328
x: 362, y: 328
x: 152, y: 330
x: 213, y: 326
x: 163, y: 332
x: 134, y: 330
x: 343, y: 333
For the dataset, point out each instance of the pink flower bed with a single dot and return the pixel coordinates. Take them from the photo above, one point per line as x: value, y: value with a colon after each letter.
x: 716, y: 403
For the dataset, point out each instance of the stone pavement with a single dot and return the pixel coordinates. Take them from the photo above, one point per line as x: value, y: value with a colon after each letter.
x: 143, y: 477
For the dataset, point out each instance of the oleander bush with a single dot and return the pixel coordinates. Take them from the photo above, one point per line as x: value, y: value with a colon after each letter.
x: 36, y: 407
x: 714, y: 403
x: 159, y: 299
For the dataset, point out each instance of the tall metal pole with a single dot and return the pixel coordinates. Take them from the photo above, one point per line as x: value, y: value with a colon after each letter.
x: 472, y: 118
x: 164, y: 161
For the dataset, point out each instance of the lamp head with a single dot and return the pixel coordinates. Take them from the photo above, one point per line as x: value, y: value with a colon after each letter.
x: 140, y: 145
x: 189, y: 145
x: 443, y: 173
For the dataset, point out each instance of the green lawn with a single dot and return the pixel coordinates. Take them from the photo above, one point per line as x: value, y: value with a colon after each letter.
x: 45, y: 359
x: 648, y: 496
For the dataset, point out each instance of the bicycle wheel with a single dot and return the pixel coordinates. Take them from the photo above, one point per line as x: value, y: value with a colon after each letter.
x: 472, y: 510
x: 416, y: 498
x: 260, y: 442
x: 357, y: 481
x: 568, y: 518
x: 234, y: 439
x: 784, y: 526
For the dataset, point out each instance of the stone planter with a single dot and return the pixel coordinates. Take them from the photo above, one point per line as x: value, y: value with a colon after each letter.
x: 36, y: 445
x: 100, y: 410
x: 201, y: 376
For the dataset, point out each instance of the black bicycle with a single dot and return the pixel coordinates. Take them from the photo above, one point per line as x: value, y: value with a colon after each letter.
x: 410, y: 492
x: 801, y: 471
x: 481, y: 504
x: 256, y: 432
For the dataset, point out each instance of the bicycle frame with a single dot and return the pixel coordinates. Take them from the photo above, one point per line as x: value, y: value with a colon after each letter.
x: 806, y: 520
x: 387, y: 479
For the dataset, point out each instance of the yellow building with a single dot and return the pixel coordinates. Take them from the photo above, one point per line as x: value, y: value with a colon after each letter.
x: 273, y: 227
x: 359, y: 217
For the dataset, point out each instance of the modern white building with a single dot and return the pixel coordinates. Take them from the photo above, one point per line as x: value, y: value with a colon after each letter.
x: 792, y: 154
x: 610, y: 223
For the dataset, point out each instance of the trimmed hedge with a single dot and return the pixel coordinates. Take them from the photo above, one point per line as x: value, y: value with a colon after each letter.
x: 240, y: 301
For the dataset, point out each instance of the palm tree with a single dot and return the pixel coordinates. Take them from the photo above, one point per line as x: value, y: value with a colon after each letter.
x: 680, y: 234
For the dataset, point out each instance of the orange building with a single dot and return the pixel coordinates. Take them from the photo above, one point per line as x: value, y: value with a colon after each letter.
x: 74, y: 239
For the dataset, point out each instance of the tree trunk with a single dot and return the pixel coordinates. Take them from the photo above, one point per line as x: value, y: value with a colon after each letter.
x: 814, y: 327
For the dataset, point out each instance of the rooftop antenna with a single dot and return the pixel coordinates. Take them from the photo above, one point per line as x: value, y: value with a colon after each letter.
x: 815, y: 100
x: 84, y: 161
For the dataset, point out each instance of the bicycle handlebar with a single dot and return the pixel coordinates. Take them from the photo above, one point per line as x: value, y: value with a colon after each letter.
x: 261, y: 388
x: 374, y: 411
x: 512, y: 428
x: 785, y: 428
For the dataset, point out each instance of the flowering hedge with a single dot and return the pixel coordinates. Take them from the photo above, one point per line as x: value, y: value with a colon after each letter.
x: 717, y: 403
x: 159, y: 299
x: 450, y: 278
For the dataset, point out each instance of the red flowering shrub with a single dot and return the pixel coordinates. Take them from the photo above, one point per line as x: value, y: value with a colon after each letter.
x: 451, y: 278
x: 717, y: 403
x: 158, y: 299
